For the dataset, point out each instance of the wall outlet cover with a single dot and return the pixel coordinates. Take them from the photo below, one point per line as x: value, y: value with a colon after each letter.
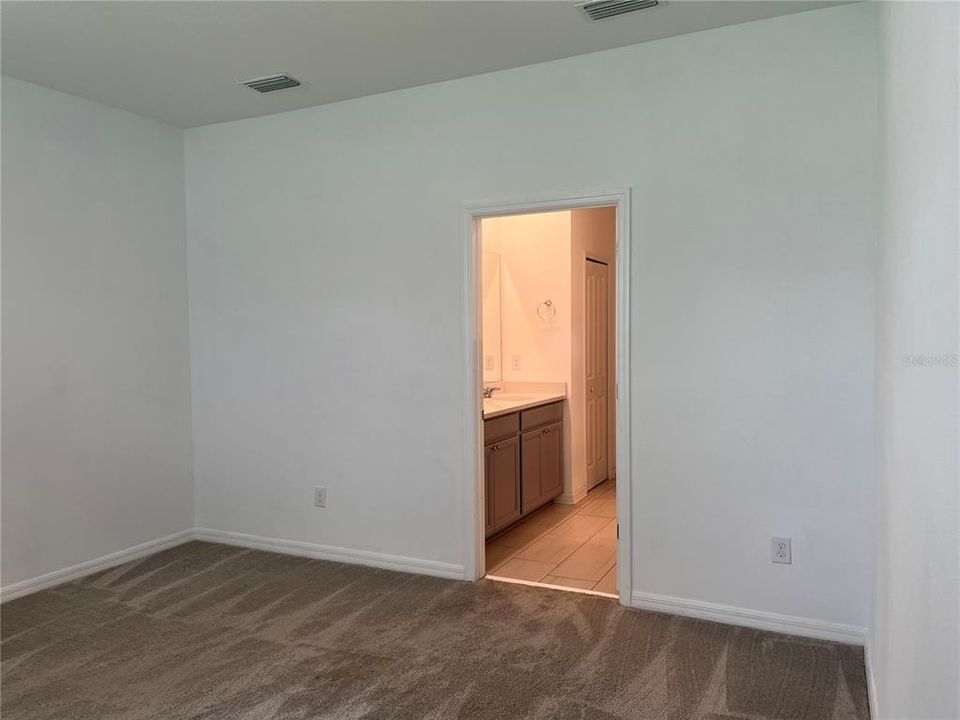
x: 516, y: 362
x: 320, y: 496
x: 782, y: 552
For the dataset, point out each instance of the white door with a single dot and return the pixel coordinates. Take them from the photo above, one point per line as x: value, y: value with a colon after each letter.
x: 596, y: 327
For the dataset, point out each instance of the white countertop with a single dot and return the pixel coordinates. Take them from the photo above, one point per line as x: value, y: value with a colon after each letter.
x: 512, y: 402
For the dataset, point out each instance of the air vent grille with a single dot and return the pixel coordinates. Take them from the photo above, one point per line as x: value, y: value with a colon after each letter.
x: 271, y: 83
x: 601, y: 9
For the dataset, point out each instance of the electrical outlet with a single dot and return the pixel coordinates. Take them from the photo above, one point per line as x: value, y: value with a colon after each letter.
x: 516, y: 363
x: 488, y: 363
x: 781, y: 551
x: 320, y: 496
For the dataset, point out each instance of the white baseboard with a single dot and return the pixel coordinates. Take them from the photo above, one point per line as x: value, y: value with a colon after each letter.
x: 871, y: 683
x: 337, y: 554
x: 572, y: 498
x: 58, y: 577
x: 645, y: 601
x: 759, y: 619
x: 288, y: 547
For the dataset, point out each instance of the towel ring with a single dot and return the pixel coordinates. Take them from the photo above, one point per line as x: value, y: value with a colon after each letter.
x: 546, y: 311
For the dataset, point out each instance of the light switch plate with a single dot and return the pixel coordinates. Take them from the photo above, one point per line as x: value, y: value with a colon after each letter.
x: 320, y: 496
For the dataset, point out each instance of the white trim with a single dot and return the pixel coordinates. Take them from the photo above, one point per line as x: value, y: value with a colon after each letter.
x: 644, y: 601
x: 573, y: 498
x: 871, y: 682
x: 759, y: 619
x: 472, y: 428
x: 624, y: 416
x: 256, y: 542
x: 74, y: 572
x: 336, y: 554
x: 472, y: 432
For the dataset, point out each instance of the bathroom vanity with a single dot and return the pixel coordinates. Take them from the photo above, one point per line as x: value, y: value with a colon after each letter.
x: 523, y: 452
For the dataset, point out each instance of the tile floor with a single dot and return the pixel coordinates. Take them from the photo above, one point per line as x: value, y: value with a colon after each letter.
x: 570, y: 545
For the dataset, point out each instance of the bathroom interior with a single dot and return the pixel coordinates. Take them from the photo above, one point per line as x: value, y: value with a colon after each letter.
x: 548, y: 350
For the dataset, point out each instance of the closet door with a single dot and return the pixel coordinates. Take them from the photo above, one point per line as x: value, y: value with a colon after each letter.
x: 596, y: 327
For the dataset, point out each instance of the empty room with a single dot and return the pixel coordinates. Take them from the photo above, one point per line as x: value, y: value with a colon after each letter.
x: 478, y: 360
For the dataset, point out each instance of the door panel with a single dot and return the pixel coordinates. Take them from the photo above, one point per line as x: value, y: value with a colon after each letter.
x: 551, y: 461
x: 530, y: 489
x: 503, y: 472
x: 596, y: 327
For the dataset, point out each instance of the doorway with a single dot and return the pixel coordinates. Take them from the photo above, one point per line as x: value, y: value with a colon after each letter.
x: 594, y: 510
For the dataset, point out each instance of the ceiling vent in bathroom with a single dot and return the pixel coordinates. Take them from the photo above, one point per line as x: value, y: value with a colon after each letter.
x: 601, y: 9
x: 271, y: 83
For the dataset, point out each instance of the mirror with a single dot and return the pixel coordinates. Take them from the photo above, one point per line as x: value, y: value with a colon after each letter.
x: 491, y: 317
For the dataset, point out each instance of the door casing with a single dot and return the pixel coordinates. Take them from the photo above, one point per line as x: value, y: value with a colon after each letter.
x: 472, y: 430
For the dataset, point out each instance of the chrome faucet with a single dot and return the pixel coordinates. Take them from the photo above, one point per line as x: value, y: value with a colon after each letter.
x: 489, y: 391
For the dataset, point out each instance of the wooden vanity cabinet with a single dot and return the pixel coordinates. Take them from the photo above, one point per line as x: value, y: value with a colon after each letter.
x: 523, y: 453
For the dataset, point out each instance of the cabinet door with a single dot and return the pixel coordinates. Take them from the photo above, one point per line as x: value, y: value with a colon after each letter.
x: 551, y: 461
x: 503, y: 481
x: 530, y: 490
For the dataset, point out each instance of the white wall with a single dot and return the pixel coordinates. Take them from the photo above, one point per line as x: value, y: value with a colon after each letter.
x: 914, y: 645
x: 96, y: 404
x: 327, y: 313
x: 491, y: 299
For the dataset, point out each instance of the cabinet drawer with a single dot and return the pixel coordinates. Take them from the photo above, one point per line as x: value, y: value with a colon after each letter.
x: 541, y: 415
x: 500, y: 427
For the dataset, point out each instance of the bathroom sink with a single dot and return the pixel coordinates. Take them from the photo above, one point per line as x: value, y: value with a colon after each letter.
x: 498, y: 402
x: 508, y: 402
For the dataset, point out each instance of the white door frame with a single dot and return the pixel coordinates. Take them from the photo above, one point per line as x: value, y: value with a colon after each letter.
x: 472, y: 434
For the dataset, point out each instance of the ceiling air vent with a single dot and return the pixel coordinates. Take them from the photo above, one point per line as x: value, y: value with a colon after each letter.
x: 600, y: 9
x: 271, y: 83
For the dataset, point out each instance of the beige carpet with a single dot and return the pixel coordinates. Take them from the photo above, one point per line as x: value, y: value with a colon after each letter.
x: 209, y: 631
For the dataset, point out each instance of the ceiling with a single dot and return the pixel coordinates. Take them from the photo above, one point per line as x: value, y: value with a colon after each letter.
x: 180, y: 61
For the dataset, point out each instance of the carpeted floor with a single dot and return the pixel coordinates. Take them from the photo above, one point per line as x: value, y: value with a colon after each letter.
x: 209, y: 631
